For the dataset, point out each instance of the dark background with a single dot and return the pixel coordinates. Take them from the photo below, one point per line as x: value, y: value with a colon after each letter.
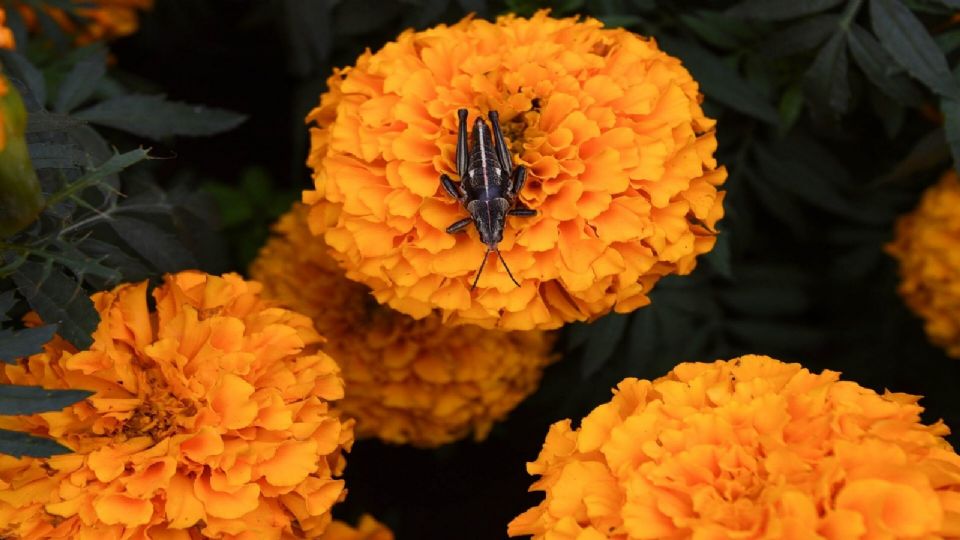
x: 799, y: 273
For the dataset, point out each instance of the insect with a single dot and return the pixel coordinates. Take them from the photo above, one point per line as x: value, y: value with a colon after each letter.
x: 489, y: 185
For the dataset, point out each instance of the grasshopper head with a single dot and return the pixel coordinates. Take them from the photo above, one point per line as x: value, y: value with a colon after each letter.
x: 489, y: 217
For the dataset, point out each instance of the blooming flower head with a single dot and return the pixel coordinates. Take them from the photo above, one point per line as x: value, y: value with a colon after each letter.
x: 749, y: 448
x: 619, y: 153
x: 211, y: 419
x: 407, y: 381
x: 927, y: 246
x: 367, y: 529
x: 99, y: 20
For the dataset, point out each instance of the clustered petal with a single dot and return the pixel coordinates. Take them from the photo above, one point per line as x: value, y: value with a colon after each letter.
x: 407, y: 381
x: 927, y: 246
x: 749, y: 448
x: 211, y: 419
x: 96, y: 20
x: 367, y: 529
x: 619, y: 152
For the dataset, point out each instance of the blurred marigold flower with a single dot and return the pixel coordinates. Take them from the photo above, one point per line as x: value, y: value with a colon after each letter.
x: 619, y: 152
x: 368, y: 529
x: 20, y: 196
x: 211, y: 419
x: 99, y: 20
x: 747, y: 448
x: 927, y: 246
x: 6, y: 35
x: 407, y: 381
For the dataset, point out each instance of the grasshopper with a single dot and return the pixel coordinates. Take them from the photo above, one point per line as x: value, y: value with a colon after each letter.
x: 489, y: 185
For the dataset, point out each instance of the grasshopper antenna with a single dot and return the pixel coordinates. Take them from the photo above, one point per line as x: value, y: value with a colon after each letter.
x: 480, y: 271
x: 505, y: 267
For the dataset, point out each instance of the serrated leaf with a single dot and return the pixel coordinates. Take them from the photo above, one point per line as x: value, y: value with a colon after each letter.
x: 153, y: 117
x: 14, y: 443
x: 948, y: 41
x: 951, y: 126
x: 827, y: 77
x: 23, y: 343
x: 129, y: 267
x: 906, y: 39
x: 779, y: 10
x: 802, y: 36
x: 605, y: 335
x: 877, y: 66
x: 16, y: 399
x: 98, y: 175
x: 719, y: 81
x: 82, y: 80
x: 17, y: 66
x: 58, y: 299
x: 160, y: 248
x: 52, y: 155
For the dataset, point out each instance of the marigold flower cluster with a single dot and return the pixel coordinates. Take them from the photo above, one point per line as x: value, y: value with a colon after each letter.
x: 100, y: 20
x: 619, y: 152
x: 747, y: 448
x: 407, y: 381
x: 927, y: 246
x: 367, y: 529
x: 211, y: 419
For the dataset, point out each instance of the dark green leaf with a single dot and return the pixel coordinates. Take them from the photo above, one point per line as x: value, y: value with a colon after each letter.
x: 130, y: 268
x: 19, y: 344
x: 54, y: 155
x: 802, y: 36
x: 605, y: 335
x: 58, y: 299
x: 778, y: 10
x: 155, y: 245
x: 827, y: 77
x: 951, y: 126
x: 17, y: 66
x: 716, y: 29
x: 7, y: 300
x: 16, y: 399
x: 879, y: 67
x: 791, y: 105
x: 929, y: 152
x: 234, y: 207
x: 948, y: 41
x: 721, y: 82
x: 14, y: 443
x: 909, y: 43
x: 82, y: 80
x: 620, y: 20
x: 719, y: 256
x: 156, y: 118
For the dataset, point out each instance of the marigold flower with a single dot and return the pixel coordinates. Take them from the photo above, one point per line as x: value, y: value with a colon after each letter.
x: 211, y: 419
x: 749, y: 448
x: 6, y: 35
x: 101, y: 20
x: 619, y: 152
x: 407, y: 381
x: 367, y: 529
x: 926, y: 244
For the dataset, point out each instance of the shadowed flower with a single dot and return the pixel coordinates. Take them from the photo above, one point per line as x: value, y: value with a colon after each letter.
x: 407, y: 381
x: 211, y: 419
x: 367, y: 529
x: 749, y: 448
x: 619, y: 152
x: 927, y: 246
x: 94, y: 20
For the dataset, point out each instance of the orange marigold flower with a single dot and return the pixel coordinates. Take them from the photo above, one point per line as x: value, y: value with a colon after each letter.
x: 211, y: 419
x: 101, y: 20
x: 408, y: 381
x: 368, y: 529
x: 749, y: 448
x: 6, y: 35
x: 927, y: 246
x: 619, y: 152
